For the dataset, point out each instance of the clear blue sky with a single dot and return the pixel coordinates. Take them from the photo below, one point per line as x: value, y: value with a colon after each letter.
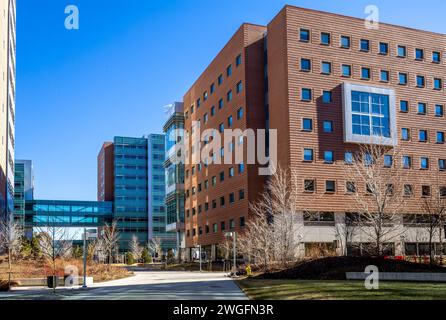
x: 77, y: 89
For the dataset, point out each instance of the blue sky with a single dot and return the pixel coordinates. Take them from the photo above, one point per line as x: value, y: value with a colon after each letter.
x: 77, y: 89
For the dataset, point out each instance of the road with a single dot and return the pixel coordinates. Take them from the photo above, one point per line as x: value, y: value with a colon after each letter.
x: 144, y: 285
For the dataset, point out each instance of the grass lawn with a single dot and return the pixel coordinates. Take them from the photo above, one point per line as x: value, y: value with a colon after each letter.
x: 258, y: 289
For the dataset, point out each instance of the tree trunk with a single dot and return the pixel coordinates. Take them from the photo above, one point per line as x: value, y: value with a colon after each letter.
x: 10, y: 268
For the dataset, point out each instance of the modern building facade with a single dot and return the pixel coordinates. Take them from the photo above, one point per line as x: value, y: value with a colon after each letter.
x: 106, y: 180
x: 7, y: 102
x: 326, y: 83
x: 23, y: 189
x: 174, y: 175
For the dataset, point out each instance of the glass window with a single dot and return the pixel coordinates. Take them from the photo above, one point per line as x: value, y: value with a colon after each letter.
x: 212, y: 88
x: 385, y: 76
x: 239, y: 113
x: 350, y: 187
x: 213, y: 111
x: 326, y: 67
x: 346, y: 70
x: 402, y: 77
x: 308, y: 155
x: 383, y: 48
x: 345, y: 42
x: 402, y: 51
x: 309, y: 185
x: 306, y: 94
x: 365, y: 45
x: 305, y: 64
x: 241, y: 194
x: 405, y: 134
x: 239, y: 87
x: 328, y: 126
x: 304, y: 35
x: 440, y: 137
x: 420, y: 81
x: 365, y: 73
x: 238, y: 60
x: 404, y: 106
x: 388, y: 161
x: 229, y: 95
x: 220, y: 104
x: 327, y: 97
x: 422, y: 108
x: 307, y: 124
x: 424, y: 163
x: 442, y: 164
x: 220, y: 79
x: 330, y: 186
x: 348, y: 158
x: 230, y: 121
x: 419, y: 54
x: 241, y: 168
x: 231, y: 172
x: 325, y: 38
x: 329, y: 156
x: 439, y: 110
x: 436, y: 57
x: 407, y: 162
x: 408, y: 190
x: 423, y: 135
x: 370, y: 114
x: 438, y: 84
x: 229, y: 70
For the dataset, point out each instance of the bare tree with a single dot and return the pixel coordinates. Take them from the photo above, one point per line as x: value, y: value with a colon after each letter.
x: 345, y: 232
x: 154, y: 246
x: 433, y: 206
x: 135, y: 248
x: 10, y: 241
x: 55, y: 243
x: 381, y: 204
x: 110, y: 238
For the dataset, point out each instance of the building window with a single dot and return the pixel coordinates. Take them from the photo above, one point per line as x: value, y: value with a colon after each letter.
x: 212, y: 88
x: 440, y: 137
x: 325, y: 38
x: 370, y: 114
x: 442, y: 191
x: 422, y: 136
x: 388, y: 161
x: 220, y: 104
x: 307, y: 124
x: 419, y: 54
x: 205, y: 118
x: 231, y: 172
x: 308, y: 155
x: 239, y: 87
x: 306, y: 94
x: 214, y: 181
x: 309, y: 185
x: 326, y: 67
x: 421, y: 82
x: 346, y: 70
x: 348, y: 158
x: 230, y: 121
x: 221, y: 127
x: 408, y: 190
x: 231, y: 224
x: 242, y: 222
x: 405, y: 134
x: 345, y: 42
x: 402, y: 52
x: 365, y: 73
x: 365, y: 45
x: 327, y: 97
x: 241, y: 194
x: 222, y: 201
x: 229, y: 71
x: 385, y: 76
x: 229, y: 96
x: 305, y: 64
x: 424, y: 163
x: 220, y: 79
x: 438, y: 84
x: 238, y: 60
x: 439, y: 110
x: 329, y: 157
x: 330, y: 186
x: 222, y: 176
x: 383, y: 48
x: 402, y: 77
x: 231, y: 198
x: 214, y: 228
x: 350, y: 187
x: 442, y: 164
x: 422, y: 108
x: 214, y: 204
x: 304, y: 35
x: 436, y: 57
x: 328, y: 126
x: 223, y: 226
x: 404, y: 106
x: 239, y: 113
x: 407, y: 162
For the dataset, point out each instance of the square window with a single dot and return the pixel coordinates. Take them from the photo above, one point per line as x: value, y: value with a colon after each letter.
x: 404, y: 106
x: 439, y: 110
x: 405, y: 134
x: 305, y: 64
x: 326, y: 67
x: 307, y: 124
x: 402, y: 77
x: 306, y: 94
x: 308, y: 155
x: 421, y: 81
x: 330, y: 186
x: 309, y: 186
x: 419, y: 54
x: 383, y: 48
x: 440, y: 137
x: 402, y: 51
x: 348, y: 158
x: 304, y: 35
x: 442, y: 164
x: 424, y: 163
x: 436, y: 57
x: 438, y: 84
x: 350, y: 187
x: 388, y: 161
x: 345, y: 42
x: 325, y: 38
x: 425, y: 191
x: 327, y: 97
x: 328, y: 126
x: 423, y: 135
x: 329, y: 156
x: 365, y: 45
x: 365, y: 73
x: 385, y: 76
x: 408, y: 190
x: 422, y: 108
x: 407, y: 162
x: 346, y: 70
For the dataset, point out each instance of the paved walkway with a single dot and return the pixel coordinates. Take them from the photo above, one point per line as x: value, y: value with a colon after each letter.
x: 145, y: 285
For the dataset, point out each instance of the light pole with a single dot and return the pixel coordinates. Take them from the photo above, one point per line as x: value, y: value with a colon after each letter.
x: 234, y: 237
x: 199, y: 252
x: 85, y: 258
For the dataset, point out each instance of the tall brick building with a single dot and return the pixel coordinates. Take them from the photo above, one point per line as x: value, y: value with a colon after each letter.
x: 326, y: 83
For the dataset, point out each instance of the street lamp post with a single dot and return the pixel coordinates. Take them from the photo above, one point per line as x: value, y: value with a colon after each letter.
x: 199, y: 253
x: 234, y: 237
x: 85, y: 258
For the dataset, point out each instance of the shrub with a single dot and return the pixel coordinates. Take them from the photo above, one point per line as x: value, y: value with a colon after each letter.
x: 170, y: 256
x: 145, y: 256
x: 130, y: 259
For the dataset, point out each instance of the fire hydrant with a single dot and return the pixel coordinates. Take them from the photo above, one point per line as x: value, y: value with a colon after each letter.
x: 248, y: 271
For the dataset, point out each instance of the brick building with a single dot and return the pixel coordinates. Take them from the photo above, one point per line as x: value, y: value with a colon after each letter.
x: 326, y: 83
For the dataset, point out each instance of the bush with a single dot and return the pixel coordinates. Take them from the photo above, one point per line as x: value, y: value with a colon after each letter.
x: 130, y: 259
x: 145, y: 256
x: 4, y: 285
x: 170, y: 256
